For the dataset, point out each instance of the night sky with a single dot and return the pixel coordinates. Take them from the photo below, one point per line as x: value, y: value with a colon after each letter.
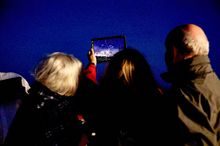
x: 30, y: 29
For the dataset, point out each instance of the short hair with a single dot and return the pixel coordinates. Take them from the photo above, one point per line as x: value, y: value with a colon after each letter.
x: 186, y: 42
x: 60, y: 73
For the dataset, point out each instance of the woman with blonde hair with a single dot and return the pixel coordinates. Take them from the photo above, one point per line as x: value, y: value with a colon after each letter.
x: 49, y: 116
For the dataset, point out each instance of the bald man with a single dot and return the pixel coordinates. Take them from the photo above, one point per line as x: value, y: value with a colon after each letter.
x: 195, y: 87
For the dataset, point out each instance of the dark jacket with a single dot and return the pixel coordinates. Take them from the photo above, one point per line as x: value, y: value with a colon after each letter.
x: 11, y: 92
x: 127, y: 117
x: 196, y: 92
x: 46, y: 118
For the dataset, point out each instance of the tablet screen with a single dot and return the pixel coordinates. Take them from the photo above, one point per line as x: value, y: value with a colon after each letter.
x: 106, y: 47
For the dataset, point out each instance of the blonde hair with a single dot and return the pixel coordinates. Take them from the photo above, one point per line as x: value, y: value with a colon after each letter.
x: 60, y: 73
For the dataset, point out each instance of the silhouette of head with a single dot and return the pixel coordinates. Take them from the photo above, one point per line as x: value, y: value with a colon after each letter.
x: 185, y: 41
x: 129, y: 69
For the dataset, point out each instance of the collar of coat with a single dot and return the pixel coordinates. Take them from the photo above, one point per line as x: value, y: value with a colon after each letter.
x: 42, y: 95
x: 189, y: 69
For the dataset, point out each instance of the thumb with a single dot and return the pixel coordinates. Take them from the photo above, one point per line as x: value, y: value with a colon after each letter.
x: 92, y: 51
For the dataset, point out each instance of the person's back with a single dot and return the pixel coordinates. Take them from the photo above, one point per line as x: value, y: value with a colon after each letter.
x: 128, y: 88
x: 49, y: 115
x: 195, y: 87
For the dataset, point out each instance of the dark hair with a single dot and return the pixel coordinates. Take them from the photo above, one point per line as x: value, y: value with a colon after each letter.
x: 128, y: 69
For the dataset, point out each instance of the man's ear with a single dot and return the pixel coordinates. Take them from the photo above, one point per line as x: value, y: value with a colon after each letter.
x: 177, y: 56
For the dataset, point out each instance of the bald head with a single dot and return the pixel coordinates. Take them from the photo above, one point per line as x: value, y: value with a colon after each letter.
x: 197, y: 35
x: 194, y: 30
x: 186, y: 41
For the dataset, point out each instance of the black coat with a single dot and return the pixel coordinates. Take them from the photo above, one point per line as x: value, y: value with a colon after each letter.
x: 128, y: 117
x: 46, y: 118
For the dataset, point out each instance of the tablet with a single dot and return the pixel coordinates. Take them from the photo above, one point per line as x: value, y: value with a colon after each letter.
x: 106, y: 47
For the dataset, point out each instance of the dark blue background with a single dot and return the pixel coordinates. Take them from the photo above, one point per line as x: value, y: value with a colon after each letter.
x: 30, y: 29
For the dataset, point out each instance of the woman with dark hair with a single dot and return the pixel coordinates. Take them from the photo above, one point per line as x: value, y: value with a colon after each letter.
x: 128, y: 90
